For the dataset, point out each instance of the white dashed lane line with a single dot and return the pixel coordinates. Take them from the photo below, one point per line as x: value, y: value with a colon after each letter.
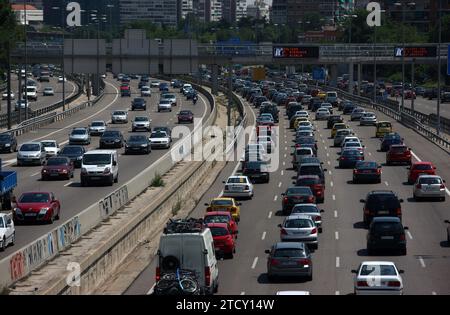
x: 328, y: 154
x: 255, y: 261
x: 336, y: 235
x: 433, y: 293
x: 335, y: 214
x: 422, y: 262
x: 331, y: 184
x: 275, y: 198
x: 337, y: 293
x: 270, y: 215
x: 334, y: 197
x: 329, y: 172
x: 279, y: 184
x: 243, y: 293
x: 263, y: 235
x: 282, y: 172
x: 328, y: 162
x: 370, y: 154
x: 386, y: 183
x: 338, y: 262
x: 37, y: 173
x: 68, y: 184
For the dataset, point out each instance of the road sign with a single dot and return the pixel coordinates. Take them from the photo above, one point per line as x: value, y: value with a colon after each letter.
x: 416, y: 52
x: 318, y: 74
x: 448, y: 60
x: 295, y: 52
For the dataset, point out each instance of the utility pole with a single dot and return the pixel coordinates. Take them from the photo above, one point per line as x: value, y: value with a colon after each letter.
x: 438, y: 109
x: 412, y: 85
x: 8, y: 87
x: 26, y: 64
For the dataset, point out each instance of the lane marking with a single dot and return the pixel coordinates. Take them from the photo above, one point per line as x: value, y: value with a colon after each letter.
x: 285, y: 155
x: 329, y: 163
x: 416, y: 157
x: 285, y: 148
x: 326, y: 148
x: 263, y: 235
x: 338, y: 262
x: 243, y: 293
x: 329, y: 172
x: 386, y: 183
x: 433, y: 293
x: 284, y: 163
x: 331, y: 183
x: 370, y: 154
x: 285, y: 142
x: 37, y: 173
x: 422, y: 262
x: 337, y: 293
x: 334, y: 197
x: 323, y: 141
x: 270, y: 214
x: 328, y: 154
x: 336, y: 235
x: 151, y: 289
x: 68, y: 184
x: 335, y: 214
x: 275, y: 198
x: 255, y: 261
x: 409, y: 235
x: 282, y: 172
x: 279, y: 184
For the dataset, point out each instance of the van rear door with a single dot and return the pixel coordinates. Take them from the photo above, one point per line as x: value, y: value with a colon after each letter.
x: 193, y: 257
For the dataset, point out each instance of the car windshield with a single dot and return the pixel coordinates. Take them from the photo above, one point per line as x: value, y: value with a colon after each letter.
x: 1, y: 223
x: 185, y: 112
x: 137, y: 139
x: 158, y: 135
x: 164, y: 101
x: 308, y: 181
x: 119, y: 113
x: 305, y: 209
x: 351, y: 153
x: 398, y: 149
x: 237, y: 180
x: 221, y: 202
x: 384, y: 125
x: 111, y: 133
x: 288, y: 252
x: 378, y: 270
x: 78, y: 132
x: 303, y: 152
x: 219, y: 231
x: 56, y: 161
x: 298, y: 224
x: 430, y: 180
x: 5, y: 137
x: 385, y: 227
x: 97, y: 124
x: 310, y: 170
x: 352, y: 144
x: 422, y: 167
x: 140, y: 118
x: 97, y: 159
x: 298, y: 191
x: 48, y: 89
x: 167, y: 96
x: 383, y: 201
x: 30, y: 147
x: 71, y: 150
x: 34, y: 197
x: 366, y: 165
x: 306, y: 140
x: 48, y: 144
x: 216, y: 219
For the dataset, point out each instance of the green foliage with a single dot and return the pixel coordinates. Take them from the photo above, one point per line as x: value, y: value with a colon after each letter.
x: 9, y: 32
x: 157, y: 181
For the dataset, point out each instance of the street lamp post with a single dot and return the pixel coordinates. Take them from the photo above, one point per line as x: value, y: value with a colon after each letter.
x: 62, y: 8
x: 438, y: 108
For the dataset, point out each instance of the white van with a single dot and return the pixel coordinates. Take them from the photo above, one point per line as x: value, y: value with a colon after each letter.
x: 99, y: 166
x: 189, y: 248
x: 31, y: 92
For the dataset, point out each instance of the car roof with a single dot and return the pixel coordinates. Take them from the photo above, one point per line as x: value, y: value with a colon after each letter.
x: 101, y: 152
x: 223, y: 198
x: 378, y: 262
x: 423, y: 163
x: 308, y: 176
x: 381, y: 192
x: 310, y: 164
x: 32, y: 142
x: 298, y: 216
x: 429, y: 176
x: 297, y: 245
x: 211, y: 213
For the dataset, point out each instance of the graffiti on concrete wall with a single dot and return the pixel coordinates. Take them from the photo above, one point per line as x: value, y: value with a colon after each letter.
x: 113, y: 202
x: 68, y: 233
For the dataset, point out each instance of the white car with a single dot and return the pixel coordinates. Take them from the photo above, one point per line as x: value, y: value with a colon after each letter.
x: 357, y: 113
x: 327, y: 106
x: 5, y: 96
x: 378, y: 278
x: 97, y: 127
x: 60, y: 79
x: 31, y: 153
x: 51, y: 147
x: 429, y: 186
x: 31, y: 93
x: 352, y: 145
x: 302, y: 113
x: 322, y: 114
x: 171, y: 97
x: 305, y: 124
x: 154, y: 84
x: 310, y: 209
x: 7, y: 230
x: 299, y: 228
x: 238, y: 186
x: 119, y: 116
x: 141, y: 123
x: 159, y: 139
x: 349, y: 139
x: 48, y: 91
x: 368, y: 119
x: 165, y: 104
x: 146, y: 91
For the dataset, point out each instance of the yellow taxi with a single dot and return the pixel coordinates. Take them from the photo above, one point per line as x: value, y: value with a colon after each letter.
x: 322, y: 95
x: 225, y: 204
x: 382, y: 128
x: 338, y: 126
x: 298, y: 120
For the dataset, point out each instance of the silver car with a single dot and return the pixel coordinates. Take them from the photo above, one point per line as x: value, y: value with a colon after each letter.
x: 310, y: 209
x: 291, y: 259
x: 97, y: 128
x: 171, y: 97
x: 322, y: 114
x: 119, y: 116
x: 299, y: 228
x: 48, y: 91
x: 146, y: 91
x: 340, y: 136
x: 429, y: 186
x: 165, y: 104
x: 357, y: 114
x: 141, y: 123
x: 368, y: 119
x: 328, y: 106
x: 79, y: 136
x: 31, y: 153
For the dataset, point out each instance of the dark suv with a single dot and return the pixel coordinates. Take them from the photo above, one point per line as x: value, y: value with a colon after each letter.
x: 138, y: 103
x: 334, y: 119
x: 256, y: 171
x: 386, y: 233
x: 312, y: 169
x: 381, y: 203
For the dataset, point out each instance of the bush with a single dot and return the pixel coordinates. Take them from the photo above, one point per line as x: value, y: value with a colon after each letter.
x: 157, y: 181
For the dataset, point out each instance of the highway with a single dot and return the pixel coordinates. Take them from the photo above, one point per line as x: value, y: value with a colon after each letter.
x: 425, y: 105
x: 42, y: 101
x: 72, y: 196
x: 342, y: 245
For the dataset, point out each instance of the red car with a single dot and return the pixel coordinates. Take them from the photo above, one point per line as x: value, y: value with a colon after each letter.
x: 419, y: 168
x: 222, y: 217
x: 224, y: 242
x: 313, y: 182
x: 37, y: 207
x: 265, y: 130
x: 57, y: 167
x: 185, y: 116
x: 410, y: 94
x: 398, y: 153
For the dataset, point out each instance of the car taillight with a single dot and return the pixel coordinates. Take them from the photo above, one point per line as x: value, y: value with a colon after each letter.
x: 378, y: 170
x: 158, y: 274
x: 285, y: 200
x: 362, y: 284
x: 283, y: 232
x: 418, y: 186
x: 395, y: 284
x: 314, y: 231
x: 442, y: 186
x: 318, y: 218
x: 274, y: 262
x: 402, y: 237
x: 310, y: 199
x: 398, y: 211
x: 355, y: 171
x: 207, y: 276
x: 366, y: 211
x: 304, y: 262
x: 343, y: 158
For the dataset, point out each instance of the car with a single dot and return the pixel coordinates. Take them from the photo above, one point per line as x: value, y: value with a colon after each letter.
x: 299, y: 228
x: 138, y: 144
x: 357, y: 113
x: 125, y: 90
x: 410, y: 94
x: 165, y: 104
x: 256, y: 171
x: 314, y: 183
x: 350, y: 139
x: 334, y: 119
x: 265, y: 120
x: 238, y: 187
x: 221, y: 217
x: 111, y: 139
x: 322, y: 114
x: 299, y: 153
x: 225, y: 204
x: 8, y: 142
x: 30, y: 92
x: 420, y: 168
x: 141, y: 123
x: 448, y: 231
x: 429, y: 186
x: 299, y: 121
x: 22, y: 104
x: 146, y: 91
x: 62, y: 79
x: 160, y: 139
x: 79, y: 135
x: 306, y: 142
x: 31, y: 153
x: 267, y: 143
x: 185, y: 116
x: 352, y: 145
x: 97, y: 127
x: 342, y: 104
x: 368, y: 119
x: 381, y: 203
x: 164, y: 87
x: 327, y: 106
x: 336, y: 127
x: 378, y: 278
x: 48, y: 91
x: 39, y: 206
x: 99, y: 166
x: 5, y: 95
x: 51, y: 147
x: 311, y: 210
x: 57, y: 167
x: 224, y: 240
x: 386, y: 233
x: 171, y: 97
x: 289, y: 259
x: 332, y: 98
x: 7, y: 231
x: 382, y: 128
x: 365, y: 171
x: 166, y: 129
x: 295, y: 195
x: 349, y: 157
x: 445, y: 97
x: 176, y: 84
x: 302, y: 113
x: 390, y: 139
x: 119, y: 116
x: 398, y: 153
x: 139, y: 103
x: 348, y: 108
x: 341, y: 135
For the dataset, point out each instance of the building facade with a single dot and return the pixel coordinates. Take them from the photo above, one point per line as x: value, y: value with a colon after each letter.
x: 259, y: 10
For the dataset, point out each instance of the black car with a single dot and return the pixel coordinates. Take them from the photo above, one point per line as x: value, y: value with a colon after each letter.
x: 309, y: 159
x: 334, y: 119
x: 296, y: 195
x: 256, y: 171
x: 111, y: 139
x: 74, y: 153
x: 258, y: 100
x: 270, y: 109
x: 390, y: 139
x: 386, y: 233
x: 367, y: 171
x: 430, y: 93
x: 445, y: 97
x: 167, y: 130
x: 381, y: 203
x: 8, y: 142
x: 138, y: 144
x: 309, y: 142
x: 312, y: 169
x: 349, y: 158
x: 313, y: 102
x: 292, y: 109
x: 138, y: 103
x: 343, y: 103
x: 348, y: 108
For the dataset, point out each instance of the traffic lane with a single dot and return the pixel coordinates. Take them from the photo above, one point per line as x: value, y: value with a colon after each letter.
x: 427, y: 241
x: 129, y: 166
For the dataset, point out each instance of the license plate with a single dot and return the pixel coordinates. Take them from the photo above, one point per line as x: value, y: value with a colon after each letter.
x: 289, y: 263
x: 95, y: 178
x: 238, y: 188
x: 367, y: 172
x: 430, y: 188
x: 30, y: 214
x: 387, y: 237
x: 383, y: 212
x: 299, y: 233
x: 54, y: 174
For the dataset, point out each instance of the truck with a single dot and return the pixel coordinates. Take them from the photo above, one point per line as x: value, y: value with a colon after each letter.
x: 8, y: 181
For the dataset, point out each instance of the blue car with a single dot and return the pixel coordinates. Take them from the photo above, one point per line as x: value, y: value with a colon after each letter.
x: 164, y: 87
x: 349, y: 158
x: 390, y: 139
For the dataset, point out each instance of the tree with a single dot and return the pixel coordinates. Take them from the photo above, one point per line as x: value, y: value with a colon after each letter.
x: 10, y: 33
x: 433, y: 35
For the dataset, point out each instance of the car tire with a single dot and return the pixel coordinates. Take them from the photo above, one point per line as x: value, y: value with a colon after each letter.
x: 369, y: 251
x: 443, y: 199
x: 403, y: 251
x: 2, y: 249
x: 309, y: 277
x: 13, y: 239
x: 116, y: 180
x: 50, y: 221
x: 271, y: 278
x: 83, y: 183
x: 416, y: 198
x: 57, y: 216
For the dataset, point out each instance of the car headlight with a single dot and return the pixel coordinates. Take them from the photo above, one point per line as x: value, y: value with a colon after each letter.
x: 43, y: 211
x: 17, y: 211
x: 144, y: 145
x: 116, y: 140
x: 7, y: 144
x: 79, y: 157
